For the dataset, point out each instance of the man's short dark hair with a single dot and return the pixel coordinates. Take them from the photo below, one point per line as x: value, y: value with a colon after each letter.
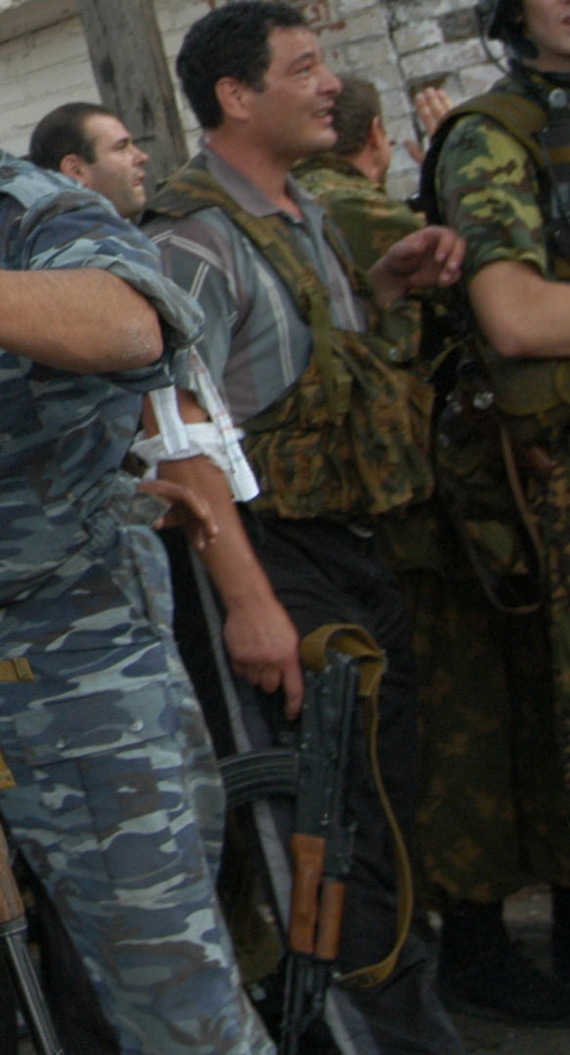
x: 231, y: 41
x: 62, y: 132
x: 355, y: 108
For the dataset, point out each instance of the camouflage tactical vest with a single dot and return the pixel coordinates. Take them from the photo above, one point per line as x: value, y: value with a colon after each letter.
x: 350, y: 438
x: 498, y: 411
x: 536, y: 393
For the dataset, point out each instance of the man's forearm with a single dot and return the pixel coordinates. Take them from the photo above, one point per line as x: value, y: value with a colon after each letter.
x: 231, y: 562
x: 431, y: 256
x: 522, y: 314
x: 88, y: 321
x: 259, y: 635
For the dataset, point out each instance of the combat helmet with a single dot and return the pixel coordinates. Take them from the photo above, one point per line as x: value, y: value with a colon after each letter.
x: 493, y: 16
x: 501, y: 20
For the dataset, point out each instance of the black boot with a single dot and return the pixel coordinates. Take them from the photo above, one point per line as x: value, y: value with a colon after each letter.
x: 561, y: 933
x: 481, y: 971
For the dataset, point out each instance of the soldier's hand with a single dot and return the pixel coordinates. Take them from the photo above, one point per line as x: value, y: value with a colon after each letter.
x: 431, y: 106
x: 186, y: 510
x: 264, y: 648
x: 431, y: 256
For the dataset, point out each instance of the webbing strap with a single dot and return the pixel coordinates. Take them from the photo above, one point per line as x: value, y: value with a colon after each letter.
x: 521, y: 116
x: 17, y: 669
x: 355, y: 641
x: 194, y: 189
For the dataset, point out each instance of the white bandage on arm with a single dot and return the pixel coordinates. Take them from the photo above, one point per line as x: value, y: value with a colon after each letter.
x: 217, y: 439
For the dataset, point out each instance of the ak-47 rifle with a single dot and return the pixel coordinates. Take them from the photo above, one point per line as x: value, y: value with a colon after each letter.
x: 13, y: 927
x: 321, y: 845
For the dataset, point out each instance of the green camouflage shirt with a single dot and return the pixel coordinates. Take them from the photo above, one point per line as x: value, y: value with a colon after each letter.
x: 488, y: 191
x: 370, y: 221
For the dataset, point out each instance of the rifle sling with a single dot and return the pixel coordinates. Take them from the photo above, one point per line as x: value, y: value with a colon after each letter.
x: 532, y: 540
x: 355, y: 641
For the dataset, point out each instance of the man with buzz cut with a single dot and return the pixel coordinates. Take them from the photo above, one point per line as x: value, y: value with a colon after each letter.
x: 88, y: 143
x: 306, y: 553
x: 496, y: 813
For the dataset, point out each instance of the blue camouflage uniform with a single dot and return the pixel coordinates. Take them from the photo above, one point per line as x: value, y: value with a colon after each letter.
x: 118, y: 803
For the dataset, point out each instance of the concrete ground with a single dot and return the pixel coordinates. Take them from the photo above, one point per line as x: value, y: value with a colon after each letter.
x: 528, y: 915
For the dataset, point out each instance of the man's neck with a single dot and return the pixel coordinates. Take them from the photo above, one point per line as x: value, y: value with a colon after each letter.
x: 531, y: 74
x: 364, y: 162
x: 265, y: 172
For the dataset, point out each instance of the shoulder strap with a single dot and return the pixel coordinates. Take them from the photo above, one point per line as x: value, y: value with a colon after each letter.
x: 355, y: 641
x: 522, y: 117
x: 193, y: 189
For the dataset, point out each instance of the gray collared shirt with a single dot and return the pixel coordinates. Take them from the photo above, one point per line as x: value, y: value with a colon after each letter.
x: 254, y: 341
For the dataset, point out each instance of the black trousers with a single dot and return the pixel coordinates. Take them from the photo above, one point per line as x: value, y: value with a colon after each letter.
x: 325, y: 573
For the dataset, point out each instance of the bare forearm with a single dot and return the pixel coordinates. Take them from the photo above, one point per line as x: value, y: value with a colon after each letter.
x: 232, y: 563
x: 85, y: 320
x: 259, y: 635
x: 431, y: 256
x: 522, y: 314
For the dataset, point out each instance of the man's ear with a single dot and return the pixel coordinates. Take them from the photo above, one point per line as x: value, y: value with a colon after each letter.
x: 376, y: 133
x: 75, y: 167
x: 232, y: 96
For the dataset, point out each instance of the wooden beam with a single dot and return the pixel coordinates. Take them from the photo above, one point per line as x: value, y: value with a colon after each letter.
x: 127, y: 55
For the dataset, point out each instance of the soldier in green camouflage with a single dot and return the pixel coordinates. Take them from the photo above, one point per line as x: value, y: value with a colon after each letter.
x: 350, y: 181
x: 497, y: 777
x: 470, y: 667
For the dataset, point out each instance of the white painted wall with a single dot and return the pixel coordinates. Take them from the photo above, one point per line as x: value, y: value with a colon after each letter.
x: 399, y: 44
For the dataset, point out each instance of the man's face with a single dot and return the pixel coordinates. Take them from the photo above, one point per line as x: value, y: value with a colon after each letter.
x: 118, y: 171
x: 292, y: 116
x: 547, y: 24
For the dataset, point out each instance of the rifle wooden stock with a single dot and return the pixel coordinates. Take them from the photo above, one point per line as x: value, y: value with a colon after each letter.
x: 308, y: 852
x: 329, y: 921
x: 13, y: 927
x: 11, y: 904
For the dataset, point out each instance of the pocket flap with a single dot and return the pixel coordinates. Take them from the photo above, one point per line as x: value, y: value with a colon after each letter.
x: 96, y: 723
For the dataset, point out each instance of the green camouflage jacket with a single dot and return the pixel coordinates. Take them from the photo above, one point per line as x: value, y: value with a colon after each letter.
x: 371, y: 222
x: 352, y: 198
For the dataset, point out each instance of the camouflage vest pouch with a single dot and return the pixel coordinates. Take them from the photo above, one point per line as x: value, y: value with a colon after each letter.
x: 483, y: 485
x: 366, y: 456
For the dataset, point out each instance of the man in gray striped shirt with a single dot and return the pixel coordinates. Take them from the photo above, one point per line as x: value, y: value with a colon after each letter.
x: 256, y: 79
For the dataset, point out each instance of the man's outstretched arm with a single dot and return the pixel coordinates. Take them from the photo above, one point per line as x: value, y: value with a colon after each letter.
x: 523, y: 314
x: 431, y: 256
x: 86, y: 320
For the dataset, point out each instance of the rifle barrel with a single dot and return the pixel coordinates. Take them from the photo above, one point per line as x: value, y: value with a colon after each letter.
x: 13, y: 929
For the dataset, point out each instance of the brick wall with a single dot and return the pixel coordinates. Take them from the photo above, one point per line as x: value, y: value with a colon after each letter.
x: 401, y: 45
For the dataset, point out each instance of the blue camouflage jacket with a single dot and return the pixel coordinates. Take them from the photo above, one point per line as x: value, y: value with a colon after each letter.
x: 63, y: 436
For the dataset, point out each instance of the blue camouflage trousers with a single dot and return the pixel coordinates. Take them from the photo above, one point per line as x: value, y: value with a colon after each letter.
x: 118, y: 804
